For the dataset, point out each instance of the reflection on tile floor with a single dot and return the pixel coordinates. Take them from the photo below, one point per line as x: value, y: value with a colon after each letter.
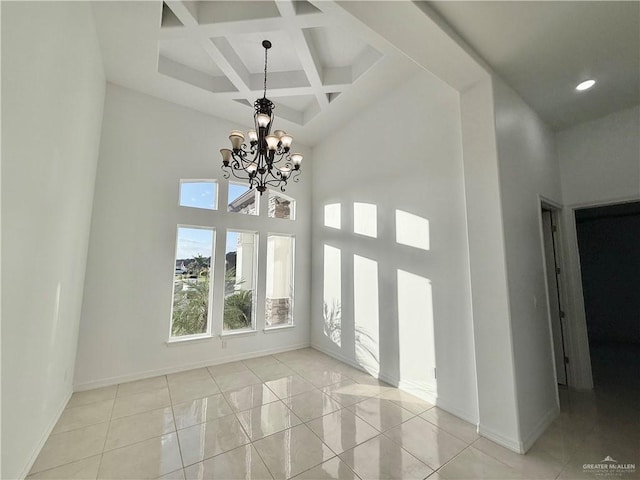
x: 304, y: 415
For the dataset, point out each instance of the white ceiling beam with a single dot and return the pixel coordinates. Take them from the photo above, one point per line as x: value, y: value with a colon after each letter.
x: 306, y: 53
x: 186, y: 14
x: 248, y: 26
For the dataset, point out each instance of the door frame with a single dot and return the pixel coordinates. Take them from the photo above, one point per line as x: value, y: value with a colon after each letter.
x: 580, y: 366
x: 556, y: 216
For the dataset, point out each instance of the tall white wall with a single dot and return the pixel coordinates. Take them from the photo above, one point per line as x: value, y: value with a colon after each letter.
x: 147, y: 146
x: 528, y: 170
x: 599, y: 164
x: 402, y: 153
x: 497, y: 401
x: 52, y: 99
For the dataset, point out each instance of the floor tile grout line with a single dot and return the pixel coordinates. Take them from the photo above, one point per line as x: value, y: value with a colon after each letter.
x: 175, y: 424
x: 106, y: 436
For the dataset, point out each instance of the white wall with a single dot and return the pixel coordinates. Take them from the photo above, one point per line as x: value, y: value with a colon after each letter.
x: 52, y: 99
x: 528, y: 169
x: 147, y: 146
x: 599, y: 164
x: 498, y: 415
x: 600, y: 160
x: 403, y: 152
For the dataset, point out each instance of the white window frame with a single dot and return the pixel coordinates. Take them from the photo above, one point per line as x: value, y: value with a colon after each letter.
x: 293, y: 282
x: 254, y: 280
x: 209, y: 332
x: 200, y: 180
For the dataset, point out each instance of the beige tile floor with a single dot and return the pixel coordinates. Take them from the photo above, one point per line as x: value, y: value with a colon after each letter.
x: 304, y: 415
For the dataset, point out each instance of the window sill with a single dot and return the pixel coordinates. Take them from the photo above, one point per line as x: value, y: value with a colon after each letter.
x: 238, y: 333
x: 277, y: 329
x: 172, y: 342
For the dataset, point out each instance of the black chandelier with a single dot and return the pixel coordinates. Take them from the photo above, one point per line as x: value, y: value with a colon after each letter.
x: 267, y: 161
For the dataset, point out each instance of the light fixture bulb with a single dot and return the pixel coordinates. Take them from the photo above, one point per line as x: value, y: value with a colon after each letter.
x: 279, y: 133
x: 252, y: 167
x: 286, y: 140
x: 296, y: 158
x: 285, y: 172
x: 226, y: 155
x: 262, y: 119
x: 236, y: 138
x: 586, y: 85
x: 272, y: 142
x: 253, y: 136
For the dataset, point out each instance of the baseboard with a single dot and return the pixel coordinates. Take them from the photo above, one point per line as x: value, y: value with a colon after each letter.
x: 45, y: 436
x: 339, y: 356
x: 539, y: 429
x: 510, y: 443
x: 106, y: 382
x: 463, y: 414
x: 422, y: 391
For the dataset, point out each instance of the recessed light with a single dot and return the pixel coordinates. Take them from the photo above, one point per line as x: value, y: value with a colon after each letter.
x: 586, y: 85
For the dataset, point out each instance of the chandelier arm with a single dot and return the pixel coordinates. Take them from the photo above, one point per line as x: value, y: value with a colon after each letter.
x: 227, y: 174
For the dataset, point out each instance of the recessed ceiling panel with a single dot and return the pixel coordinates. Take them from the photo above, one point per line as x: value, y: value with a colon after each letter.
x: 296, y: 102
x: 189, y: 53
x: 169, y: 19
x: 335, y: 47
x: 234, y: 11
x: 282, y: 56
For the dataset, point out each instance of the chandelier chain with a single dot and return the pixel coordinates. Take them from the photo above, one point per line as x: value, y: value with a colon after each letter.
x: 265, y: 73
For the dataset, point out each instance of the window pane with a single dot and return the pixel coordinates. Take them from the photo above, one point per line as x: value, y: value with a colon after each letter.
x: 192, y: 282
x: 281, y: 206
x: 240, y: 280
x: 242, y: 200
x: 279, y: 302
x: 198, y: 194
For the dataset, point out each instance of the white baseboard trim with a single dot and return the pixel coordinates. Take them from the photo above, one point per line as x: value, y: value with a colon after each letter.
x: 510, y: 443
x: 463, y: 414
x: 106, y: 382
x: 422, y: 391
x: 45, y: 436
x: 539, y: 429
x: 339, y: 356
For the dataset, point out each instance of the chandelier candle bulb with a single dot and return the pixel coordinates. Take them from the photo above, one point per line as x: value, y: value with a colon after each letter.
x: 264, y: 161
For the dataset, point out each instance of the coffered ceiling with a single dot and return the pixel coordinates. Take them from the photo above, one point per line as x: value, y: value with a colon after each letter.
x: 207, y: 55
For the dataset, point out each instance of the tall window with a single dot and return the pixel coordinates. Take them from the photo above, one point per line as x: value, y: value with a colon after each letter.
x: 279, y: 294
x: 240, y: 281
x: 192, y: 282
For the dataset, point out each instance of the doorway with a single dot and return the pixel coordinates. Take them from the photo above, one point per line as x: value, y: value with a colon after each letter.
x: 556, y: 312
x: 609, y: 250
